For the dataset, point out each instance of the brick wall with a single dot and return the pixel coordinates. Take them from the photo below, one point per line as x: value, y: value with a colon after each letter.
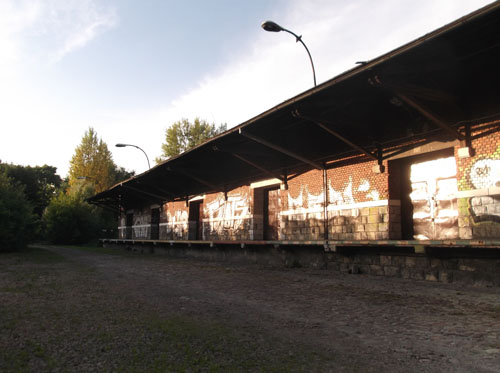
x: 357, y: 205
x: 174, y: 221
x: 228, y: 219
x: 479, y: 186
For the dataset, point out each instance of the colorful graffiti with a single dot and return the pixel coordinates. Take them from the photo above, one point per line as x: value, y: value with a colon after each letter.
x: 341, y: 197
x: 485, y: 173
x: 226, y: 217
x: 141, y: 225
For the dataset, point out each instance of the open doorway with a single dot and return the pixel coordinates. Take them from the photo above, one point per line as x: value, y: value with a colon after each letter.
x: 195, y: 220
x: 155, y: 223
x: 426, y: 185
x: 271, y: 213
x: 129, y: 222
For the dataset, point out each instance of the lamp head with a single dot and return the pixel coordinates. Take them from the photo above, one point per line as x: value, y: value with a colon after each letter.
x: 121, y: 145
x: 271, y: 26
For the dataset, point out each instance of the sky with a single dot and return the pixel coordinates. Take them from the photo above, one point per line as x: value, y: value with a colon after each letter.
x: 130, y: 68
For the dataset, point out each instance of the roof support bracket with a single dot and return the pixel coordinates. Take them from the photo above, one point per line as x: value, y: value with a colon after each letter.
x: 196, y: 178
x: 258, y: 167
x: 279, y: 149
x: 322, y: 125
x: 159, y: 190
x: 430, y: 116
x: 139, y: 191
x: 376, y: 81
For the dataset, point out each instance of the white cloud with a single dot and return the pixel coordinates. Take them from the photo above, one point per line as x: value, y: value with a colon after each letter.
x: 337, y: 33
x: 54, y: 27
x: 73, y: 24
x: 270, y: 70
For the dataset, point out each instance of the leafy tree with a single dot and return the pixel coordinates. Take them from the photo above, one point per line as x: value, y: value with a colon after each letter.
x: 92, y: 161
x: 122, y: 174
x: 16, y: 217
x: 183, y: 135
x: 39, y: 183
x: 70, y: 220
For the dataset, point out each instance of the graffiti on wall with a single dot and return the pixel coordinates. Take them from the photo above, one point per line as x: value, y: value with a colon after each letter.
x: 485, y: 173
x: 224, y: 216
x: 141, y: 225
x: 177, y: 223
x: 344, y: 196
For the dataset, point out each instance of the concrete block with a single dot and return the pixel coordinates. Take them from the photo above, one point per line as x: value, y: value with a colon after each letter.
x: 382, y: 235
x: 385, y: 260
x: 383, y: 227
x: 465, y: 233
x: 374, y: 218
x: 371, y: 227
x: 463, y: 221
x: 463, y: 277
x: 416, y: 274
x: 365, y: 211
x: 476, y: 202
x: 405, y: 273
x: 392, y: 271
x: 360, y: 228
x: 432, y: 275
x: 383, y: 210
x: 422, y: 262
x: 487, y: 200
x: 445, y: 276
x: 376, y: 270
x: 436, y: 263
x: 398, y: 260
x: 410, y: 261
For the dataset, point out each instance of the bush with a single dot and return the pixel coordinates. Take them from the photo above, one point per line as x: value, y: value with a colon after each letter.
x: 70, y: 220
x: 17, y: 221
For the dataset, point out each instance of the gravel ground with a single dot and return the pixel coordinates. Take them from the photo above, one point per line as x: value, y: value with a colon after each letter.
x: 66, y: 309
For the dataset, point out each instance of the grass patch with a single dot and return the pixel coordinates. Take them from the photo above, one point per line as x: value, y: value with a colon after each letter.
x: 185, y: 344
x: 92, y: 248
x: 33, y: 254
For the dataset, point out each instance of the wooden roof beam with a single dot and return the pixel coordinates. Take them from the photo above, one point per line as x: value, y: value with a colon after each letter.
x: 279, y: 149
x: 258, y: 167
x: 139, y: 191
x: 196, y: 178
x: 429, y: 115
x: 321, y: 124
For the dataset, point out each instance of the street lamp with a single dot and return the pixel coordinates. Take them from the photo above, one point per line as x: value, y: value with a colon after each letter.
x: 274, y: 27
x: 135, y: 146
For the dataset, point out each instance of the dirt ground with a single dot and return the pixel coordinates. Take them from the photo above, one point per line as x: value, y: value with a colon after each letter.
x: 87, y: 311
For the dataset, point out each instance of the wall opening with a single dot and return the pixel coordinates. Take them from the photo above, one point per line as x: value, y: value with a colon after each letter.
x: 195, y: 230
x: 155, y: 223
x: 426, y: 185
x: 271, y: 211
x: 128, y: 225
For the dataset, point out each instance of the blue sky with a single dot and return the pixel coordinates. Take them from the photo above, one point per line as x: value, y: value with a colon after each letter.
x: 130, y: 68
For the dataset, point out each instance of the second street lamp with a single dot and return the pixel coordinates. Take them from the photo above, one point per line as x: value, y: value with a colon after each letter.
x: 274, y: 27
x: 120, y: 145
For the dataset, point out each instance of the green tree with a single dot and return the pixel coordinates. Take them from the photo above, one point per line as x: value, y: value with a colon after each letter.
x: 70, y: 220
x: 40, y: 183
x: 93, y: 162
x: 16, y: 217
x: 184, y: 135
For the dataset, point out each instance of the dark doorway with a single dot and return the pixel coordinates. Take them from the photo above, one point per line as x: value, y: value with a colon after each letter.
x: 195, y: 220
x: 155, y: 224
x: 128, y: 225
x: 271, y: 214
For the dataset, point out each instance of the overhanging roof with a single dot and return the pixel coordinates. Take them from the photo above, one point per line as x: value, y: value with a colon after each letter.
x: 427, y: 88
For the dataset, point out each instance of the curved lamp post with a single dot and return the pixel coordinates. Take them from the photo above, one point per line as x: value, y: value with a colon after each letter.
x: 135, y: 146
x: 274, y: 27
